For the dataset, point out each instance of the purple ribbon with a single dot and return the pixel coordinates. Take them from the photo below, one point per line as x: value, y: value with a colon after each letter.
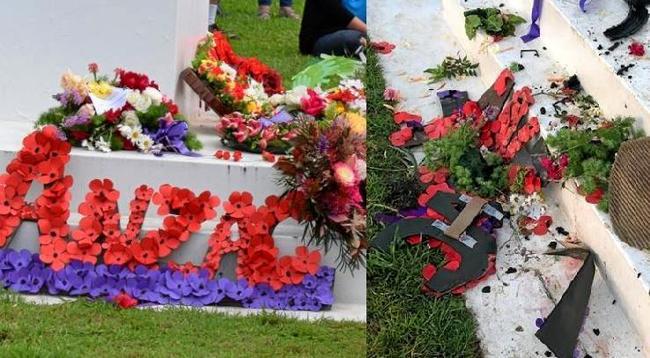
x: 583, y: 5
x: 533, y: 32
x: 281, y: 117
x: 171, y: 135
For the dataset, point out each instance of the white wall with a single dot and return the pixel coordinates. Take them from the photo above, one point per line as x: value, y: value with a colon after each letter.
x: 41, y: 39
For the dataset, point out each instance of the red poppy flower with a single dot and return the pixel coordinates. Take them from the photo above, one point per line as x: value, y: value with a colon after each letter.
x: 382, y: 47
x: 543, y: 223
x: 89, y: 230
x: 86, y: 252
x: 287, y: 273
x: 532, y: 182
x: 596, y: 196
x: 439, y: 128
x: 163, y: 198
x: 305, y: 261
x: 239, y: 205
x: 7, y: 226
x: 117, y: 254
x: 279, y: 207
x: 146, y: 251
x: 636, y: 49
x: 123, y: 300
x: 500, y: 84
x: 428, y: 271
x: 414, y: 240
x: 51, y: 230
x: 55, y: 254
x: 405, y: 117
x: 400, y: 137
x: 431, y: 191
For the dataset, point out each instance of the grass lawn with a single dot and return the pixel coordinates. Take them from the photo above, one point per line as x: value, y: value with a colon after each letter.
x: 275, y: 41
x: 97, y: 329
x: 401, y: 320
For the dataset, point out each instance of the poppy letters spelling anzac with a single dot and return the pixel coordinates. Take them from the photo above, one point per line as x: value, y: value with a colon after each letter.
x: 100, y: 260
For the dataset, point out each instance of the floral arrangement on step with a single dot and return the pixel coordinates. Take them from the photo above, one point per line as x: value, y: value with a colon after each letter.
x: 241, y: 84
x: 584, y: 143
x: 127, y: 112
x: 325, y: 181
x: 275, y: 130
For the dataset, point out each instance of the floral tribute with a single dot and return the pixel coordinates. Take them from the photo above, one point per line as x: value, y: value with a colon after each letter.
x: 258, y: 115
x: 98, y: 259
x: 325, y: 178
x: 127, y: 112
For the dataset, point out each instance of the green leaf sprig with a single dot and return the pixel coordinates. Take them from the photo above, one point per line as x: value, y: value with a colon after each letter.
x: 452, y: 67
x: 492, y: 21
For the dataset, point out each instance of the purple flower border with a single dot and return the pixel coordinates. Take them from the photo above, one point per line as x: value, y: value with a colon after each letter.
x: 23, y: 272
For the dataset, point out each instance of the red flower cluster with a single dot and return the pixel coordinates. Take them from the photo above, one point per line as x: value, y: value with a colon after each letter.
x: 133, y: 80
x: 42, y: 158
x: 504, y: 134
x: 524, y: 180
x: 555, y: 167
x: 246, y: 67
x: 470, y: 113
x: 405, y: 133
x: 247, y: 230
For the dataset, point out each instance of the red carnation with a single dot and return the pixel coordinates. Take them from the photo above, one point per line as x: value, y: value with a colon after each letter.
x: 113, y: 115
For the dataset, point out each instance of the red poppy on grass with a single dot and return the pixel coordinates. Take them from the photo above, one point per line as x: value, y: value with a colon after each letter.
x: 123, y: 300
x: 428, y: 271
x: 400, y: 137
x: 431, y: 191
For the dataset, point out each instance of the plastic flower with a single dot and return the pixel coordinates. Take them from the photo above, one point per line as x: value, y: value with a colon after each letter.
x: 123, y: 300
x: 55, y: 254
x: 305, y: 261
x: 239, y: 205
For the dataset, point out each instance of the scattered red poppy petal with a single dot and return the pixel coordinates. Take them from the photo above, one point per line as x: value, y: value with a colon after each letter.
x: 636, y: 49
x: 595, y: 196
x: 400, y: 137
x: 543, y: 223
x: 428, y: 271
x: 414, y: 240
x: 404, y: 117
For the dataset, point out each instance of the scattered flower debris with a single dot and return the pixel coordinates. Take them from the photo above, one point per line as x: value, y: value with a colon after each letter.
x: 636, y: 49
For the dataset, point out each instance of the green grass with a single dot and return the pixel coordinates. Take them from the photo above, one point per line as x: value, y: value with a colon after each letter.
x: 274, y: 42
x: 96, y: 329
x: 401, y: 320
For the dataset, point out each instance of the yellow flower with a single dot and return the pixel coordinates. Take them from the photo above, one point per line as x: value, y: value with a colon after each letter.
x: 252, y: 107
x: 340, y: 108
x: 345, y: 175
x: 357, y: 123
x: 100, y: 89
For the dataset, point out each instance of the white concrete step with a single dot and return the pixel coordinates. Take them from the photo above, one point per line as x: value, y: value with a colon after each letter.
x: 622, y: 267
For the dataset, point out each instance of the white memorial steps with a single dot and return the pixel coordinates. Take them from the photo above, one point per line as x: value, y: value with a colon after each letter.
x: 505, y: 316
x: 622, y: 266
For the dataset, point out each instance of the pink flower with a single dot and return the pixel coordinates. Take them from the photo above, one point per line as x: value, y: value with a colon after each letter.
x: 636, y: 49
x: 93, y: 68
x: 313, y: 104
x: 391, y: 95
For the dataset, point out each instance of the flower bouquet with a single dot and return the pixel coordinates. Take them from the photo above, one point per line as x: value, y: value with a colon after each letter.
x: 125, y: 113
x: 325, y: 179
x: 274, y: 130
x: 229, y: 83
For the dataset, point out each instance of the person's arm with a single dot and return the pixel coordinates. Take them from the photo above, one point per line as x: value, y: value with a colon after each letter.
x: 357, y: 24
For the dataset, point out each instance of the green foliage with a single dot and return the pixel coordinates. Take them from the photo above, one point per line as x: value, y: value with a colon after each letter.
x: 591, y: 152
x: 53, y: 116
x: 492, y: 21
x: 327, y: 72
x: 470, y: 170
x: 192, y: 142
x: 149, y: 119
x: 452, y: 68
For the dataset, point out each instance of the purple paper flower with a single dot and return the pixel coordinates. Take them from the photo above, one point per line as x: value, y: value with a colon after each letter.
x: 174, y: 286
x: 239, y: 290
x: 262, y: 297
